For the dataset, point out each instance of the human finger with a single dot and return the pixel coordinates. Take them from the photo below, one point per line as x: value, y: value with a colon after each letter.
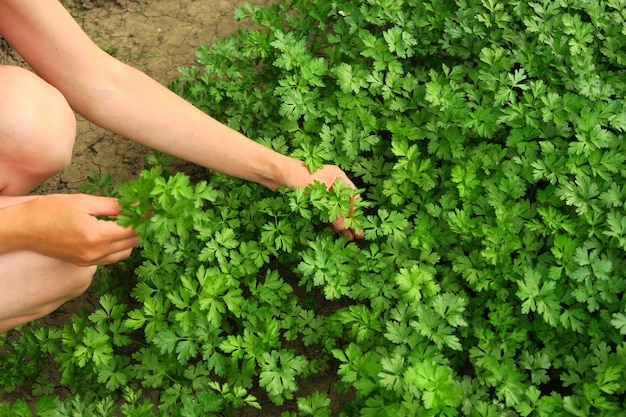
x: 109, y: 253
x: 338, y: 228
x: 114, y: 257
x: 340, y: 224
x: 114, y: 231
x: 100, y: 206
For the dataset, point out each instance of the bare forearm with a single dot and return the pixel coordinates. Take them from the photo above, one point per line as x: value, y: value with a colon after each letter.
x: 141, y: 109
x: 126, y: 101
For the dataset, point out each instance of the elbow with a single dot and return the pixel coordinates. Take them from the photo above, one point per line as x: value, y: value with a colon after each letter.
x: 95, y: 92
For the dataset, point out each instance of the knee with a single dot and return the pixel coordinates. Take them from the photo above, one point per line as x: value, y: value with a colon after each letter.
x: 76, y: 281
x: 79, y: 280
x: 40, y: 126
x: 40, y: 301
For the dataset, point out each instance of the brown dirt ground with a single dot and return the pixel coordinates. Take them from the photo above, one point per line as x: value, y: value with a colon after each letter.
x: 157, y: 37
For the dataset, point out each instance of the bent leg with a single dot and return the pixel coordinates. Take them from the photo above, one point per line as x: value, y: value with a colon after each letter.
x: 33, y: 285
x: 37, y: 131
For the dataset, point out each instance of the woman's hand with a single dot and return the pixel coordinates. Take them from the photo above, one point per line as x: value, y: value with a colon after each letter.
x: 328, y: 174
x: 65, y: 227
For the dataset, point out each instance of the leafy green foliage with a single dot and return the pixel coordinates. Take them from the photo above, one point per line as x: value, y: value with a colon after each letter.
x: 486, y: 137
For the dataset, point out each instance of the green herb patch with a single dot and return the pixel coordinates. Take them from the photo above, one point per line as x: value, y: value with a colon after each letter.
x: 486, y: 138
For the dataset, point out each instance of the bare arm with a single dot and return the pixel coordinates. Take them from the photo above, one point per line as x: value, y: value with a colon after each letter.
x: 128, y: 102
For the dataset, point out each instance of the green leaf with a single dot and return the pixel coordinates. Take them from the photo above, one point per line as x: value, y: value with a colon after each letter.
x: 436, y: 383
x: 166, y: 341
x: 186, y: 350
x: 417, y: 282
x: 349, y: 79
x: 314, y: 156
x: 539, y: 296
x: 112, y: 378
x: 315, y: 405
x: 619, y: 322
x: 400, y: 42
x: 609, y: 382
x: 278, y: 375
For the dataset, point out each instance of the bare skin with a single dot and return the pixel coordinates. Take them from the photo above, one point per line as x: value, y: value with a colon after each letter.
x: 50, y: 246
